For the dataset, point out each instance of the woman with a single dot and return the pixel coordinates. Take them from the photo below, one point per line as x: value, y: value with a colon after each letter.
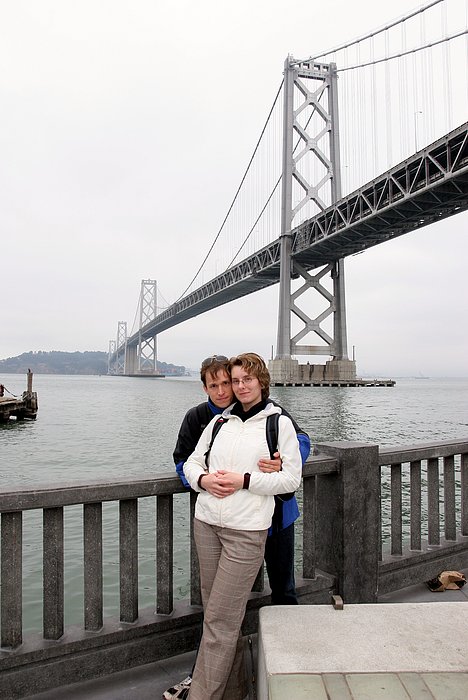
x: 233, y: 512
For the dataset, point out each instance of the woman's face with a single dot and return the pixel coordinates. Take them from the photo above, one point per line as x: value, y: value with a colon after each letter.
x: 246, y: 387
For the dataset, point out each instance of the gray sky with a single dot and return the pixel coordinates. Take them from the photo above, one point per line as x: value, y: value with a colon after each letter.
x: 125, y: 128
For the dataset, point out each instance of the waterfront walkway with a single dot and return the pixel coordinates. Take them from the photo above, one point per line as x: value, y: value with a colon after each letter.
x: 149, y: 682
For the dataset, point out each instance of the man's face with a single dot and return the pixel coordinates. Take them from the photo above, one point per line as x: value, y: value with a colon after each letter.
x: 218, y: 388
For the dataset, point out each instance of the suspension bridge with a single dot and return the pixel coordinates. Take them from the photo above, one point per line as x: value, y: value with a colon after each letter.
x: 388, y: 110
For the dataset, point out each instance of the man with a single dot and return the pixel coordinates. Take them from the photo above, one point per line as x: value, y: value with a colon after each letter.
x: 279, y: 549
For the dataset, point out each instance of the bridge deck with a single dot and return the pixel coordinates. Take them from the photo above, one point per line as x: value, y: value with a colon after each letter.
x: 149, y: 682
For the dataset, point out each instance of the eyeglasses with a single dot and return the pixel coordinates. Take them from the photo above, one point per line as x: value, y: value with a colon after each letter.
x: 214, y: 358
x: 246, y: 381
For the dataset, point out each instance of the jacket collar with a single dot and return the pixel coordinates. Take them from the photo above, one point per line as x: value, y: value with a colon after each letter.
x: 237, y: 410
x: 214, y: 409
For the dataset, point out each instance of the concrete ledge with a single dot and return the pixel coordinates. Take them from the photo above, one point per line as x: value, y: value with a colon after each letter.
x: 397, y: 572
x: 360, y: 640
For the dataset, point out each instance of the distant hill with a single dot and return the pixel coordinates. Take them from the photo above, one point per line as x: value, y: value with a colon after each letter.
x: 56, y: 362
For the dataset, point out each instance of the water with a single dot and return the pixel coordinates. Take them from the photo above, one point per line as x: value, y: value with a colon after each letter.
x: 106, y: 428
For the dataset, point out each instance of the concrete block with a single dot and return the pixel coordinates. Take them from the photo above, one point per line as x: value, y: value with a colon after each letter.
x: 361, y: 640
x: 283, y: 371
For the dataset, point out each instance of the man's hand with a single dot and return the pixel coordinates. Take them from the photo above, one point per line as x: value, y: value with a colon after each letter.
x: 268, y: 466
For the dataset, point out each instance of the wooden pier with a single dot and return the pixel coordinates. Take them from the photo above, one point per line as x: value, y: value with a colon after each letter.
x: 21, y: 408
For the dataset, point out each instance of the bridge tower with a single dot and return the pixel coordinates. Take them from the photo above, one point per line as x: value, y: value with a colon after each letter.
x: 110, y: 355
x: 147, y: 347
x: 137, y: 356
x: 311, y: 177
x: 121, y: 348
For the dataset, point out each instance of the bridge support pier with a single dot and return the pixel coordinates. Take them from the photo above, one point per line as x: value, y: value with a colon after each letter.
x: 131, y: 359
x: 284, y: 371
x: 340, y: 369
x: 289, y: 371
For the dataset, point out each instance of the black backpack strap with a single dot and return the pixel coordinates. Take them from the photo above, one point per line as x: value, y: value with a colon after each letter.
x: 272, y: 429
x: 216, y: 428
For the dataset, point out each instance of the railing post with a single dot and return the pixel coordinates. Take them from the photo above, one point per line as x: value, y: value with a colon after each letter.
x: 92, y: 546
x: 12, y: 579
x: 348, y: 515
x: 165, y: 554
x: 195, y: 591
x: 128, y: 536
x: 464, y: 493
x: 53, y: 567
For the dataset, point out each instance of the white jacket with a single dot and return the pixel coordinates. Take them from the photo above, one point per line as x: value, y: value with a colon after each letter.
x: 237, y: 448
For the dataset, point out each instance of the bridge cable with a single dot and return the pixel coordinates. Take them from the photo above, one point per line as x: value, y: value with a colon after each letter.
x: 267, y: 201
x: 400, y: 20
x: 256, y: 221
x: 405, y: 53
x: 235, y: 196
x: 161, y: 295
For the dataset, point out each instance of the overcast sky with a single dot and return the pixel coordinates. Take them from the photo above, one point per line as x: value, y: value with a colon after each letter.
x: 125, y: 128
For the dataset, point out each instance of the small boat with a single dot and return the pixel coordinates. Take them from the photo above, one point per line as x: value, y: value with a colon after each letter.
x: 21, y: 408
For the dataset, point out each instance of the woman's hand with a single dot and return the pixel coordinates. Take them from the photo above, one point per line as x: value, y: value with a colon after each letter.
x: 231, y: 480
x: 268, y: 466
x: 222, y: 483
x: 218, y: 485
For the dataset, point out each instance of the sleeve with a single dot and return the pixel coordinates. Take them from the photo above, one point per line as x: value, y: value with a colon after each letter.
x: 189, y: 433
x: 289, y: 477
x: 195, y: 465
x: 304, y: 446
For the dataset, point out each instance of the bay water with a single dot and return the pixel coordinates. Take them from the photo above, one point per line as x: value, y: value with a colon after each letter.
x: 108, y: 428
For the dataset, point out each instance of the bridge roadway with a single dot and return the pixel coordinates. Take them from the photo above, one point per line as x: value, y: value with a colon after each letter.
x: 427, y: 187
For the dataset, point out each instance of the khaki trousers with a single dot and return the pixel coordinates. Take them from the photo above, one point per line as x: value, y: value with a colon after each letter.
x: 229, y: 563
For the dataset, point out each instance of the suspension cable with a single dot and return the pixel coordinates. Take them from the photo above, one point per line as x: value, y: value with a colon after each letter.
x: 136, y: 314
x: 371, y: 34
x: 267, y: 201
x: 405, y: 53
x: 161, y: 296
x: 235, y: 196
x: 256, y: 221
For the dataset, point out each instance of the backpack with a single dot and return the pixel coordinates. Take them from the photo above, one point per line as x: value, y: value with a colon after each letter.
x: 272, y: 429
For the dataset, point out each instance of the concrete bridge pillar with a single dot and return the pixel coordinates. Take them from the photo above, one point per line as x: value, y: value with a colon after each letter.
x: 131, y: 359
